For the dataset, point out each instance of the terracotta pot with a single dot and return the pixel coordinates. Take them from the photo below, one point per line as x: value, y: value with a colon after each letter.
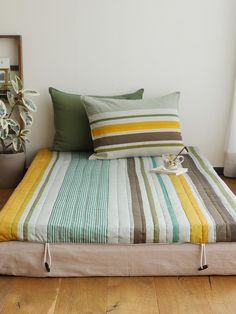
x: 12, y: 168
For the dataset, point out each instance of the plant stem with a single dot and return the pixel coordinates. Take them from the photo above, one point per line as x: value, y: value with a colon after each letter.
x: 8, y: 146
x: 3, y: 145
x: 11, y: 112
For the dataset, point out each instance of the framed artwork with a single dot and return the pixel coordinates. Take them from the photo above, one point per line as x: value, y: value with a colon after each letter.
x: 10, y: 61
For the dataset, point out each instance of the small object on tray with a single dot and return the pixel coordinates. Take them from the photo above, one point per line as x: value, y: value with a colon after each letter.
x: 163, y: 170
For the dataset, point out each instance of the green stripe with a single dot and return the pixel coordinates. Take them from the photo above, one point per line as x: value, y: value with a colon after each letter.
x: 214, y: 177
x: 96, y: 206
x: 138, y: 146
x: 135, y: 116
x: 63, y: 205
x: 25, y: 226
x: 79, y: 214
x: 151, y: 203
x: 168, y: 203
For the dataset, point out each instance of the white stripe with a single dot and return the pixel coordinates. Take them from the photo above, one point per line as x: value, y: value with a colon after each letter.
x: 112, y: 114
x: 39, y: 221
x: 113, y: 216
x: 160, y: 217
x: 141, y: 152
x: 138, y: 143
x: 123, y: 203
x: 129, y: 198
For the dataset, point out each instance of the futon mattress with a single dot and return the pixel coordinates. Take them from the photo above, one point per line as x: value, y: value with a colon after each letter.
x: 66, y: 198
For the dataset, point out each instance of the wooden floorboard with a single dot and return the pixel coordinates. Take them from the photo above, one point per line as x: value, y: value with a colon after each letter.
x: 183, y: 294
x: 126, y: 295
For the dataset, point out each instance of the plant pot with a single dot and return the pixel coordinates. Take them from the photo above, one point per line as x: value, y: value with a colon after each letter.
x: 12, y: 168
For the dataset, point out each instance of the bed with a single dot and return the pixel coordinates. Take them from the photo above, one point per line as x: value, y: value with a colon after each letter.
x: 71, y: 216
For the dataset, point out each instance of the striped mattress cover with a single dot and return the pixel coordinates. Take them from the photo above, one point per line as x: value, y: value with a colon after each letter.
x: 66, y: 198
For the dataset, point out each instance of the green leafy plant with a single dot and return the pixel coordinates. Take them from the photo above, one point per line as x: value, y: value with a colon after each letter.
x: 16, y: 117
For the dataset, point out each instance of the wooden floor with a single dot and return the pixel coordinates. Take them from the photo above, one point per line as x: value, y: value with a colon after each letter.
x: 140, y: 295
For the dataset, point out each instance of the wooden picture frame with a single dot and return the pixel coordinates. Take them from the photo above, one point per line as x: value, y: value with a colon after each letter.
x: 12, y: 55
x: 18, y: 40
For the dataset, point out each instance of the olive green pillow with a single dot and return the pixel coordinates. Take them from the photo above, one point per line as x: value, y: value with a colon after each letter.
x: 71, y: 122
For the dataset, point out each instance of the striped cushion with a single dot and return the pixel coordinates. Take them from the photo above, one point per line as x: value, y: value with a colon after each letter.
x: 130, y: 128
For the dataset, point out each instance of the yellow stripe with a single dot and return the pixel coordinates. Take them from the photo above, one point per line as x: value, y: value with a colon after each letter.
x: 14, y: 208
x: 132, y: 126
x: 198, y: 223
x: 197, y: 209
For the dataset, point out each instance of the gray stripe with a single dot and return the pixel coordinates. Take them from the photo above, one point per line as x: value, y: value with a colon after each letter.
x: 137, y: 204
x: 137, y: 137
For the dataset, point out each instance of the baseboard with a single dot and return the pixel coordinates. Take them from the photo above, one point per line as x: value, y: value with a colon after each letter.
x: 219, y: 170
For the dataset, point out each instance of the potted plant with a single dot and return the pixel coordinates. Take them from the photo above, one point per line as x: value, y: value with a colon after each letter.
x: 15, y: 120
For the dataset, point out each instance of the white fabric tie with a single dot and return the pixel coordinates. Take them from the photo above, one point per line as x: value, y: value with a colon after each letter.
x: 203, y: 258
x: 47, y: 257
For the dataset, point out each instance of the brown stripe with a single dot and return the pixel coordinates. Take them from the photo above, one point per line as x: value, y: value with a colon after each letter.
x: 137, y: 204
x: 137, y: 137
x: 225, y: 225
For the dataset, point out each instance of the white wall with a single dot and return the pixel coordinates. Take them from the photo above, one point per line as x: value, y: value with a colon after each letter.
x: 107, y: 47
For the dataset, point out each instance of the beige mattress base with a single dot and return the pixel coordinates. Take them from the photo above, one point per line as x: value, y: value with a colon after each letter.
x: 82, y: 260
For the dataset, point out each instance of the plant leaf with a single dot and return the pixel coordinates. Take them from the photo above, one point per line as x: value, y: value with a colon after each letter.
x: 17, y: 143
x: 3, y: 123
x: 25, y: 132
x: 24, y: 139
x: 30, y: 92
x: 29, y: 104
x: 3, y: 109
x: 11, y: 122
x: 15, y: 87
x: 26, y: 117
x: 15, y: 128
x: 19, y: 83
x: 4, y: 133
x: 10, y: 99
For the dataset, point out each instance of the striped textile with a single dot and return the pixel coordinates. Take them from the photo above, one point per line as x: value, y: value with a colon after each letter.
x: 133, y: 128
x: 65, y: 197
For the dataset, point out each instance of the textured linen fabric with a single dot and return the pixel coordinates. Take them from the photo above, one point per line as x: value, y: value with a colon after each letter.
x: 66, y: 198
x: 133, y: 128
x: 72, y: 132
x: 83, y: 260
